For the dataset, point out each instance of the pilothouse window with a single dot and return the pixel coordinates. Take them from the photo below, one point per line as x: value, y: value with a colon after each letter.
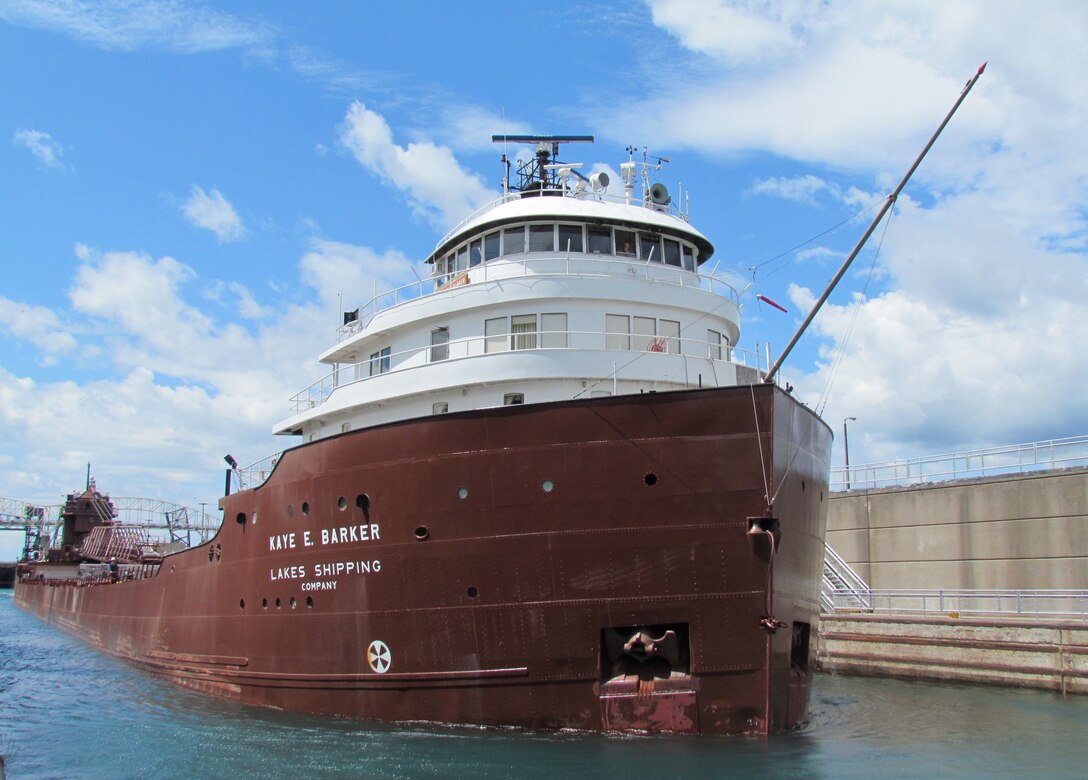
x: 491, y: 246
x: 542, y: 238
x: 648, y: 247
x: 513, y: 241
x: 570, y: 238
x: 600, y: 240
x: 672, y: 253
x: 625, y: 243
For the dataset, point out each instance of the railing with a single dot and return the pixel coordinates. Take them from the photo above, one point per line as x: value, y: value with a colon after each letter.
x: 254, y: 474
x: 1024, y: 603
x: 1011, y: 459
x: 839, y: 579
x: 475, y: 346
x: 515, y: 266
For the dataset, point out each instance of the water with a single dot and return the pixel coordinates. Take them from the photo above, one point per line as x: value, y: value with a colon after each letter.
x: 67, y: 711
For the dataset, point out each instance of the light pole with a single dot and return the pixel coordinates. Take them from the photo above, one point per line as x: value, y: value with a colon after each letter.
x: 846, y: 446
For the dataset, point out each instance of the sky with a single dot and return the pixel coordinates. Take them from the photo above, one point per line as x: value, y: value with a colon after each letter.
x: 190, y: 192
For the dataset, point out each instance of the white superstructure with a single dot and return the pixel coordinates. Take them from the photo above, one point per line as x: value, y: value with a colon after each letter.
x: 551, y: 293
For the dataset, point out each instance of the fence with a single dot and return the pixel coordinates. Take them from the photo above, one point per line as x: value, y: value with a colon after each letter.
x: 1010, y: 459
x: 1025, y: 603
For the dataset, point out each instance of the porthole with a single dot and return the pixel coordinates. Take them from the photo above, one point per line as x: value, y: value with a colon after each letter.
x: 241, y: 519
x: 363, y: 502
x: 342, y: 503
x: 310, y: 602
x: 650, y: 479
x: 305, y: 507
x: 802, y: 486
x: 242, y: 604
x: 293, y: 602
x: 253, y: 519
x: 278, y: 603
x: 472, y: 592
x: 422, y: 533
x: 462, y: 493
x: 547, y: 486
x: 264, y: 603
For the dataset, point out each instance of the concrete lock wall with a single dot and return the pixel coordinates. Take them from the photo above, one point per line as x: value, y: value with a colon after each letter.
x: 1021, y: 531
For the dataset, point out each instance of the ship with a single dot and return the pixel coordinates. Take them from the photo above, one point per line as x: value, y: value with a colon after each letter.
x: 543, y: 488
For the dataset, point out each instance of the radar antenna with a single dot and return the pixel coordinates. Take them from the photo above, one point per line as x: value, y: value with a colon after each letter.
x: 538, y: 174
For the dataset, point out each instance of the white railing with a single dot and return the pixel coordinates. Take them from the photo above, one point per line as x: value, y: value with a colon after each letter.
x: 1011, y: 459
x: 254, y: 474
x: 841, y: 581
x: 1022, y: 603
x: 518, y: 266
x: 476, y: 346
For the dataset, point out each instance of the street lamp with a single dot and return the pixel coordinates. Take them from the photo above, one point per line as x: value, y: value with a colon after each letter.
x: 846, y: 446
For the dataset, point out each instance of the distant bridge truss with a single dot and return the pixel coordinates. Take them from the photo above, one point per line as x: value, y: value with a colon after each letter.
x: 162, y: 519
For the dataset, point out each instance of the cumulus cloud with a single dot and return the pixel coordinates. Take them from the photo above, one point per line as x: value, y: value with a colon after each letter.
x: 211, y: 211
x: 434, y: 182
x: 181, y: 384
x: 42, y: 146
x: 39, y: 326
x: 971, y: 335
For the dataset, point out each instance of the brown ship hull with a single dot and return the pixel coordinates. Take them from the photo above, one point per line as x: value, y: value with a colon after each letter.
x: 646, y: 563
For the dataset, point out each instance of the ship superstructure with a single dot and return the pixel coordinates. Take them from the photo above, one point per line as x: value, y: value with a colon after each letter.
x: 553, y: 292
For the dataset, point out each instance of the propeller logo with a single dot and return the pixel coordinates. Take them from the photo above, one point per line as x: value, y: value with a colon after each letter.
x: 379, y: 657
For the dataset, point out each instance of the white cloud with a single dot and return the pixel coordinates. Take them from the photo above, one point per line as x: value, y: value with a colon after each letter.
x: 973, y: 337
x: 802, y: 189
x: 736, y: 32
x: 175, y: 388
x: 42, y: 146
x: 434, y: 182
x: 128, y: 25
x: 211, y: 211
x: 38, y: 325
x: 352, y: 274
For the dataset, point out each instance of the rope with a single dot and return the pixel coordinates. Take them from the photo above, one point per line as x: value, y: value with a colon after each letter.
x: 826, y: 393
x: 759, y: 440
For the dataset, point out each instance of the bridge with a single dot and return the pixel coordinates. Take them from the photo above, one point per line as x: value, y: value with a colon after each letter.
x: 168, y: 521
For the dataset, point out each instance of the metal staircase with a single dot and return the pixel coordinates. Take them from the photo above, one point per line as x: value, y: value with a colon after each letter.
x: 843, y: 590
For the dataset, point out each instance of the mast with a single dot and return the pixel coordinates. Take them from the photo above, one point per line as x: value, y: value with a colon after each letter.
x: 888, y: 203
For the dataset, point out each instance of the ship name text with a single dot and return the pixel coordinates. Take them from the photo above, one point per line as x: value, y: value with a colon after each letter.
x: 339, y: 535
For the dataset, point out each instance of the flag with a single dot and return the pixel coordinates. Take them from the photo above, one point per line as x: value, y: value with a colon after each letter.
x: 765, y: 299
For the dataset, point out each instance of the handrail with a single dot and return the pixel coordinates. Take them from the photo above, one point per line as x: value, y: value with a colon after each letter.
x: 955, y: 602
x: 475, y: 346
x: 1009, y: 459
x: 662, y: 274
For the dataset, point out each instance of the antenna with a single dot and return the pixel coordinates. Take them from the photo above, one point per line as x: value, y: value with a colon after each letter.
x: 534, y: 176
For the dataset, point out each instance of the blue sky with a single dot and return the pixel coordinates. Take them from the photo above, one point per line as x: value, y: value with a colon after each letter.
x: 187, y: 188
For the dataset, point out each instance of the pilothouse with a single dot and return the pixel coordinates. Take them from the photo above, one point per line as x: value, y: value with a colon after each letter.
x: 555, y: 291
